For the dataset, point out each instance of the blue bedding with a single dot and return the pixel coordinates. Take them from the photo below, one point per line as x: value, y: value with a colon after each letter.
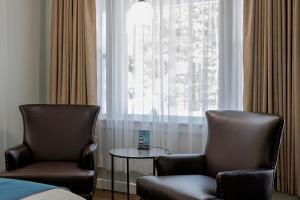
x: 11, y: 189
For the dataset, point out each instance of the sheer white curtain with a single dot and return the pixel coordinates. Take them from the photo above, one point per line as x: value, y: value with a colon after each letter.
x: 164, y: 76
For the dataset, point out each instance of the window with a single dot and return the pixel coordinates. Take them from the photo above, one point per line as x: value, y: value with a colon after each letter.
x: 195, y: 30
x: 174, y: 67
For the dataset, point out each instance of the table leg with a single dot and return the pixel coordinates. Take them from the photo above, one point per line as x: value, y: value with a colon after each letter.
x: 128, y: 179
x: 153, y: 167
x: 112, y: 177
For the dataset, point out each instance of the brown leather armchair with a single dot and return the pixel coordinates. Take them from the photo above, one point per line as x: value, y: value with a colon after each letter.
x: 58, y: 147
x: 238, y: 164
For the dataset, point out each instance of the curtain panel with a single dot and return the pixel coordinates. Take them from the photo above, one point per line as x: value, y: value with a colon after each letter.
x: 73, y: 72
x: 272, y: 76
x: 163, y: 76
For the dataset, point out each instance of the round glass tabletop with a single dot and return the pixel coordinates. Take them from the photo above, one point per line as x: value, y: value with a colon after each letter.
x: 136, y: 153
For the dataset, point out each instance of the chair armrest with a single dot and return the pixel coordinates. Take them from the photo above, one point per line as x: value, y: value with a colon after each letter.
x: 89, y: 157
x: 245, y: 184
x: 180, y: 164
x: 18, y: 156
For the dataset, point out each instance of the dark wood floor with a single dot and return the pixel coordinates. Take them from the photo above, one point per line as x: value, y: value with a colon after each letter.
x: 106, y: 195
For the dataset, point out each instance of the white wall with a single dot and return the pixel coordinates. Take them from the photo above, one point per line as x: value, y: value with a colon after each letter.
x: 23, y: 74
x: 3, y: 65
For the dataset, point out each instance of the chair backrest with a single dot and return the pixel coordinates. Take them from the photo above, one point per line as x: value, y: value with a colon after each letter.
x: 58, y: 132
x: 242, y: 140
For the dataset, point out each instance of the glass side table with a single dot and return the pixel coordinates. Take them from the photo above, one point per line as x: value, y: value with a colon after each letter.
x: 133, y: 153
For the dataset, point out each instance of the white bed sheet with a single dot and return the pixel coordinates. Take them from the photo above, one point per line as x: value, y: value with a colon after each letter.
x: 54, y: 194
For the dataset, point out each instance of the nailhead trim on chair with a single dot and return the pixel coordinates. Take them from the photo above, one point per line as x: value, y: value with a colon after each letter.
x: 242, y: 172
x: 274, y: 162
x: 6, y: 162
x: 7, y: 167
x: 220, y: 188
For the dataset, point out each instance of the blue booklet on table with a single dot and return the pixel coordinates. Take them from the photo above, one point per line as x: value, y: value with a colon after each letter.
x: 144, y: 139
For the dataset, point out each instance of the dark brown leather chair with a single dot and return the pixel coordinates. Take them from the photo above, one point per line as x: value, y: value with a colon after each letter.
x: 58, y: 147
x: 238, y: 164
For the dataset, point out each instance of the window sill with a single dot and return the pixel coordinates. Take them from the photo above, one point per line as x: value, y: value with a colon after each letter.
x: 179, y: 124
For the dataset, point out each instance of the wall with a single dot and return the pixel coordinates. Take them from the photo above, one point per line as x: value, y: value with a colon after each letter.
x: 23, y: 72
x: 3, y: 65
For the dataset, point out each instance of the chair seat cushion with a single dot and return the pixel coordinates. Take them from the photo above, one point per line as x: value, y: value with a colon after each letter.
x: 182, y: 187
x: 62, y: 174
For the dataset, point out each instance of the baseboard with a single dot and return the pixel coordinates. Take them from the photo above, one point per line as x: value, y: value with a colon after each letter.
x: 120, y: 186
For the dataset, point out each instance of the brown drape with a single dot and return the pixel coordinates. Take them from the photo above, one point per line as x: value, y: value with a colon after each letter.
x: 272, y: 76
x: 73, y: 52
